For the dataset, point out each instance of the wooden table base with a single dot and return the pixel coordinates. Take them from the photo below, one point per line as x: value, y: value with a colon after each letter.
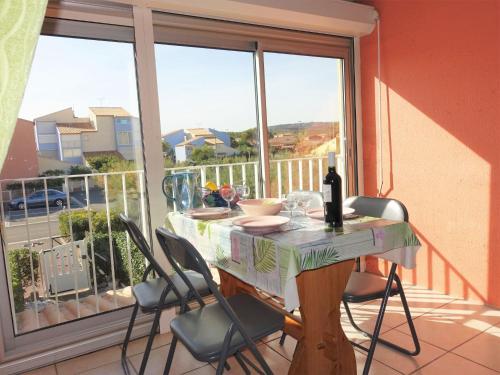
x: 322, y: 346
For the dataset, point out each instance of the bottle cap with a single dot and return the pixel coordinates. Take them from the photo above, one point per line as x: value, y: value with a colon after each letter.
x: 331, y: 159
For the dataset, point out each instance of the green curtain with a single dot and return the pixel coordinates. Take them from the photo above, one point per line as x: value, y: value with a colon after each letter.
x: 20, y: 25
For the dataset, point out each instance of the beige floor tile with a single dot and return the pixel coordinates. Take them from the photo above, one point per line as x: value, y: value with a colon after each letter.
x: 139, y: 345
x: 49, y: 370
x: 183, y: 361
x: 287, y: 349
x: 365, y: 317
x: 444, y: 330
x: 89, y: 361
x: 453, y: 364
x: 114, y: 368
x: 401, y: 362
x: 271, y: 337
x: 205, y: 370
x: 277, y: 363
x: 376, y: 368
x: 483, y: 349
x: 471, y: 313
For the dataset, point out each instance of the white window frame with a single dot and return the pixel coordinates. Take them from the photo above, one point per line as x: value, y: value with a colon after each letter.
x: 119, y: 139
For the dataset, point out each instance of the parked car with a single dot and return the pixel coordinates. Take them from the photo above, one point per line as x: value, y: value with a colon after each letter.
x: 37, y: 199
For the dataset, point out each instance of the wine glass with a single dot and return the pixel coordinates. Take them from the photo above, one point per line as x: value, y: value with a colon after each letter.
x: 243, y: 191
x: 304, y: 201
x: 227, y: 193
x: 290, y: 202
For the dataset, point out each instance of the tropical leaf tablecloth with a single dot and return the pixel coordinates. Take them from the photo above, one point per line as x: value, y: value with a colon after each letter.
x: 271, y: 262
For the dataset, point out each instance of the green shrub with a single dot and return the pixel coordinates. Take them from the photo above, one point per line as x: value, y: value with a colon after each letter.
x: 20, y: 269
x: 80, y: 223
x: 120, y: 256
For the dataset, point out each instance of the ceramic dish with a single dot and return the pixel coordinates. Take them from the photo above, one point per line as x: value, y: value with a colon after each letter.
x: 261, y: 224
x: 319, y: 214
x: 261, y: 207
x: 209, y: 213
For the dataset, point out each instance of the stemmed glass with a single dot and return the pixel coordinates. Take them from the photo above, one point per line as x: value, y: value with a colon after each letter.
x: 304, y: 201
x: 290, y: 201
x: 243, y: 191
x: 227, y: 193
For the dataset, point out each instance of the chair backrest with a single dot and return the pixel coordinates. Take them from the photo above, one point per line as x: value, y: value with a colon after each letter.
x: 316, y: 198
x: 139, y: 240
x: 173, y: 246
x: 385, y: 208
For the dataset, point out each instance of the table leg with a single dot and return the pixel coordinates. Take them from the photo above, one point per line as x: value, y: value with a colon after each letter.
x: 323, y: 347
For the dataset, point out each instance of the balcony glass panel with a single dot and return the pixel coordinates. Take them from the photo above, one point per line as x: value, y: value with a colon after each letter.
x: 305, y: 121
x: 208, y: 114
x: 66, y: 253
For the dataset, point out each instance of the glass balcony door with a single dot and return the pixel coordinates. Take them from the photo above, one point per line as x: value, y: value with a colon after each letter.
x: 75, y: 163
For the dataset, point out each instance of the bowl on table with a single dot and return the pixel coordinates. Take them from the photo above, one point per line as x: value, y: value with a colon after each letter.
x: 261, y: 207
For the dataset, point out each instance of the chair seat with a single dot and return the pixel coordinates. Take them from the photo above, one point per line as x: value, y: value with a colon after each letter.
x: 202, y: 331
x: 363, y: 286
x: 148, y: 293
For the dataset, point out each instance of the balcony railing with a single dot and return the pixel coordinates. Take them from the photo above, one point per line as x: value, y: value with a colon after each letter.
x: 71, y: 261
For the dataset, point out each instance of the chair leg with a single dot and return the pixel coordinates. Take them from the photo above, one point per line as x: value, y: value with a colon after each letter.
x: 380, y: 318
x: 242, y: 363
x: 385, y: 342
x: 413, y: 332
x: 149, y: 344
x: 170, y: 357
x: 259, y: 358
x: 282, y: 338
x: 127, y: 338
x: 251, y: 364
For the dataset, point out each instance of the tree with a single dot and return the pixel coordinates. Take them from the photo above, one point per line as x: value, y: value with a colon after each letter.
x: 168, y: 151
x: 103, y: 163
x: 203, y: 153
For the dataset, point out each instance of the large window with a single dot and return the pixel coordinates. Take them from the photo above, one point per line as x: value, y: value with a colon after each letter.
x: 215, y: 76
x: 305, y: 101
x: 208, y: 113
x: 67, y: 257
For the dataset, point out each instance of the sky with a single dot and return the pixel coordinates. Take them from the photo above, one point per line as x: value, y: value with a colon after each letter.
x: 197, y: 87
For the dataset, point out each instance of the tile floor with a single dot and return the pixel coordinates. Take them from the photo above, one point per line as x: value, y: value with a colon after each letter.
x: 456, y: 336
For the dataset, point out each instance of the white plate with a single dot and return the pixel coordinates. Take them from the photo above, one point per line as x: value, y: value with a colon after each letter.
x: 261, y: 224
x: 209, y: 213
x: 319, y: 213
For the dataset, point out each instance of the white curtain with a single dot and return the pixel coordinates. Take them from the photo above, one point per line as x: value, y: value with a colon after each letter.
x: 20, y: 25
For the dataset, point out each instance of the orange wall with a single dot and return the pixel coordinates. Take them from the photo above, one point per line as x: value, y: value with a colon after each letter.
x: 21, y: 160
x: 440, y: 74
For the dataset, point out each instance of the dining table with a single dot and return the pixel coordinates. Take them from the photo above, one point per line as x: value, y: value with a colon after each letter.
x: 306, y: 264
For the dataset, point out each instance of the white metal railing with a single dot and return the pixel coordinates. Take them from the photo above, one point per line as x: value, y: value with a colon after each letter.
x: 293, y: 168
x: 111, y: 188
x: 54, y: 264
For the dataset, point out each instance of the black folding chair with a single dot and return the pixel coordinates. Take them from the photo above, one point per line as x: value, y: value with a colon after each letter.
x: 157, y: 294
x: 363, y: 287
x: 225, y: 328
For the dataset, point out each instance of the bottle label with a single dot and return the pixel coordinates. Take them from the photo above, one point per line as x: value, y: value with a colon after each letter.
x: 327, y: 193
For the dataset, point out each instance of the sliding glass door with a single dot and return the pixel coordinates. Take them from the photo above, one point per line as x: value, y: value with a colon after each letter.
x: 305, y: 100
x: 75, y: 162
x: 280, y: 99
x: 208, y: 115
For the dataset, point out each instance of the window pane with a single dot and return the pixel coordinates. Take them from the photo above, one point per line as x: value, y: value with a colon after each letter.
x: 304, y: 108
x: 208, y: 116
x: 80, y: 98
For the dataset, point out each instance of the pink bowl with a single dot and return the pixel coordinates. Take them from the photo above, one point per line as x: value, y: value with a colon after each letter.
x: 260, y: 207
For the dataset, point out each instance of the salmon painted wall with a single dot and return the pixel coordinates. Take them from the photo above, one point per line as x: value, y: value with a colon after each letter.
x: 440, y: 74
x: 21, y: 160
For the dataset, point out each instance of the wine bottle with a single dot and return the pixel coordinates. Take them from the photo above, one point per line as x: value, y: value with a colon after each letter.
x: 332, y: 194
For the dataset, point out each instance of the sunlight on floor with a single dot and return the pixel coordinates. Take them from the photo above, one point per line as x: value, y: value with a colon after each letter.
x: 456, y: 336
